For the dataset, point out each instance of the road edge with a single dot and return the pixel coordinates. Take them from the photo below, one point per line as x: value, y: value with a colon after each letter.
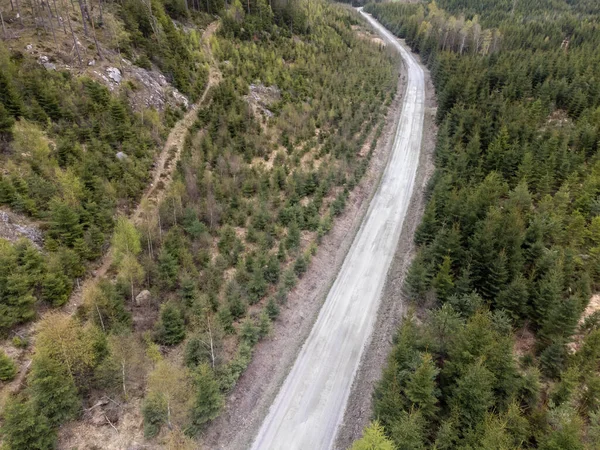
x: 391, y: 309
x: 246, y: 431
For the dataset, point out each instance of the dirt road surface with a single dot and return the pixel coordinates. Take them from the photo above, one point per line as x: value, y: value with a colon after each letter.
x: 310, y: 405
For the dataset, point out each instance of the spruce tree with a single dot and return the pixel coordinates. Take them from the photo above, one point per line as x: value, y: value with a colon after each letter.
x: 421, y: 388
x: 208, y: 401
x: 171, y: 328
x: 473, y: 395
x: 6, y: 124
x: 8, y: 369
x: 52, y: 391
x: 373, y: 438
x: 443, y: 282
x: 24, y: 428
x: 9, y: 96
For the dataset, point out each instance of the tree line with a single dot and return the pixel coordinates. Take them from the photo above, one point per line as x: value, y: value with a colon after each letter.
x: 200, y: 280
x: 509, y: 243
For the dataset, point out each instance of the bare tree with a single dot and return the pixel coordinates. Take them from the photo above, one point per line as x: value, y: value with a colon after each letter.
x: 91, y: 16
x: 75, y: 44
x: 19, y: 12
x: 59, y: 19
x: 50, y: 22
x: 3, y: 27
x: 82, y: 9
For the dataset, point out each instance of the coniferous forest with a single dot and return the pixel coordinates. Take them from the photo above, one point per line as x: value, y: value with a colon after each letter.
x: 283, y: 135
x: 500, y: 350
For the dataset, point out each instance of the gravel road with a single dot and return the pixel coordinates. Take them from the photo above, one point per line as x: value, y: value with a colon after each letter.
x: 310, y: 405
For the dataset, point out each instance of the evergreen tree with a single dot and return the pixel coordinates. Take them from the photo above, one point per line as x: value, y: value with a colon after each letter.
x: 8, y: 369
x: 24, y: 428
x: 52, y: 391
x: 373, y: 438
x: 421, y: 387
x: 9, y: 97
x: 171, y: 328
x: 443, y: 282
x: 514, y: 299
x: 473, y: 395
x: 155, y: 412
x: 208, y: 401
x: 408, y: 432
x: 6, y: 124
x: 417, y: 280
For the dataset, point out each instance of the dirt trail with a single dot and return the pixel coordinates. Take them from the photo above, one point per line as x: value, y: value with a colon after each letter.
x: 163, y: 171
x: 161, y: 180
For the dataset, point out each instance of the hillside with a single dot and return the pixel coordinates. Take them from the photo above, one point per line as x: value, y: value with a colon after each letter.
x: 501, y: 348
x: 188, y: 173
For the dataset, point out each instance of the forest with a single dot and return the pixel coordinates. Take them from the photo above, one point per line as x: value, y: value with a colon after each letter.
x: 501, y: 349
x: 266, y: 169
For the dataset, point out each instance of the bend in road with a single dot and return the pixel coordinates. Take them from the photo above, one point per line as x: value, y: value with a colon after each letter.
x: 310, y: 405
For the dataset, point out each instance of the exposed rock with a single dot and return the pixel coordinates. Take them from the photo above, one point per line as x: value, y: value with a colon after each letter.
x: 12, y: 228
x: 261, y: 96
x: 158, y: 92
x: 43, y: 59
x: 49, y: 66
x: 29, y: 47
x: 143, y: 298
x: 114, y: 74
x: 92, y: 63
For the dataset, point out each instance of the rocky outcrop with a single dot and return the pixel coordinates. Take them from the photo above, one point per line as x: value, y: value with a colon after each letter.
x: 146, y: 88
x: 261, y: 97
x: 14, y: 227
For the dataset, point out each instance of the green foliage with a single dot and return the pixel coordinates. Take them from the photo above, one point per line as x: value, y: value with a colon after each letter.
x: 59, y: 136
x: 421, y: 387
x: 24, y: 428
x: 21, y: 278
x: 52, y: 391
x: 504, y: 229
x: 155, y: 412
x: 170, y: 330
x: 240, y: 221
x: 373, y: 439
x: 8, y: 369
x: 208, y: 401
